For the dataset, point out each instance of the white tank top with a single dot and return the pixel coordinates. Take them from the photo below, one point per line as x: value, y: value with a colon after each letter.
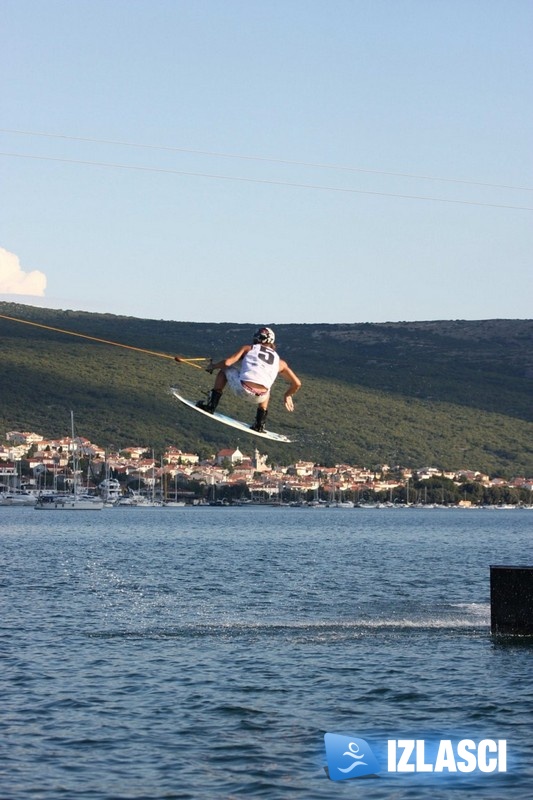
x: 260, y: 365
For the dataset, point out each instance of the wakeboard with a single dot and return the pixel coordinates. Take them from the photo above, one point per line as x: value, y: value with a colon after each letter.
x: 225, y: 420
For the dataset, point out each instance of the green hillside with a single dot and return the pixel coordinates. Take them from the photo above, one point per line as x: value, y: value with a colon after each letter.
x: 455, y: 394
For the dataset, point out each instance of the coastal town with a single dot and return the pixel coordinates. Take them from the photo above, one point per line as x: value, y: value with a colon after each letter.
x: 32, y: 464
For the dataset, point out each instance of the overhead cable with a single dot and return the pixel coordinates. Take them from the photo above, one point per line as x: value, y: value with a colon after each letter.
x: 216, y: 154
x: 316, y: 187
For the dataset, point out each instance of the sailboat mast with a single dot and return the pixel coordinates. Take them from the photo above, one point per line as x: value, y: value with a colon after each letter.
x: 74, y: 457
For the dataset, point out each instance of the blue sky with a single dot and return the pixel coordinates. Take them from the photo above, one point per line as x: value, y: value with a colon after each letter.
x: 286, y: 149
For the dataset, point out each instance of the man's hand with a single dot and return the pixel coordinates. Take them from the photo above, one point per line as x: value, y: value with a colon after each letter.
x: 289, y: 405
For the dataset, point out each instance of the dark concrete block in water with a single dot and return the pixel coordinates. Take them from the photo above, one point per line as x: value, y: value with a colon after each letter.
x: 511, y: 600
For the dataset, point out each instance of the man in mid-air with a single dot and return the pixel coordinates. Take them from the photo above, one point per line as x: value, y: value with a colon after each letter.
x: 250, y: 373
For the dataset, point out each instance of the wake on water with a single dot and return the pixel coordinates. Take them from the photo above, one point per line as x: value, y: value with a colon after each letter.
x: 454, y: 617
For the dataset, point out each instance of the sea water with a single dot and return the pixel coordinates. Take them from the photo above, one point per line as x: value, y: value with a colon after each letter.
x: 204, y: 652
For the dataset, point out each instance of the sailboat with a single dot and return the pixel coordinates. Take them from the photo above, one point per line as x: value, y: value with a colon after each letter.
x: 142, y: 500
x: 175, y: 503
x: 76, y: 500
x: 15, y: 494
x: 338, y: 503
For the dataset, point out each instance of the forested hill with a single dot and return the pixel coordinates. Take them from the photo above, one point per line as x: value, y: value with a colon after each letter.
x: 453, y: 394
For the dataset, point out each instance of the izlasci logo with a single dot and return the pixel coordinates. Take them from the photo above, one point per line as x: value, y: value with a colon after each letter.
x: 351, y: 757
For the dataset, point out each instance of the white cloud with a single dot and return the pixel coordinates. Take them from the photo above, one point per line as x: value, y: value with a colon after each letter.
x: 13, y: 279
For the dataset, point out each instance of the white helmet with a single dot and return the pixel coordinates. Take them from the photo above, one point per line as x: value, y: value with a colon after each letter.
x: 264, y: 336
